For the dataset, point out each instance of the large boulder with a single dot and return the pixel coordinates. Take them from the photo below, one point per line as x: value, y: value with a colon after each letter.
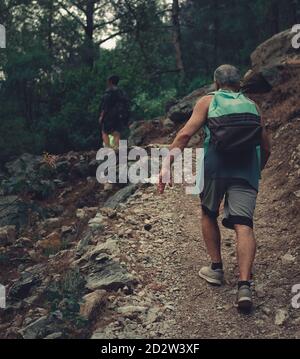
x: 182, y: 109
x: 273, y: 62
x: 143, y: 132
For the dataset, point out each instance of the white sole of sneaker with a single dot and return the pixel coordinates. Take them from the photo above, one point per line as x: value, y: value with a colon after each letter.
x: 210, y: 280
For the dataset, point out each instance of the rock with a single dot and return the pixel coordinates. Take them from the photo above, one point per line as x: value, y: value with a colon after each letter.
x: 266, y: 310
x: 51, y: 223
x: 121, y: 196
x: 25, y: 242
x: 56, y: 210
x: 13, y: 211
x: 111, y: 276
x: 297, y: 194
x: 109, y: 247
x: 275, y: 50
x: 25, y: 164
x: 7, y: 235
x: 260, y: 291
x: 21, y: 288
x: 288, y: 259
x: 66, y: 230
x: 52, y: 241
x: 86, y: 212
x: 131, y: 310
x: 167, y: 123
x: 35, y: 329
x: 96, y: 222
x: 81, y: 169
x: 92, y: 303
x: 56, y: 335
x: 195, y: 140
x: 148, y: 227
x: 101, y: 334
x: 86, y: 239
x: 140, y: 130
x: 272, y: 63
x: 108, y: 187
x: 281, y: 316
x: 63, y: 167
x: 182, y: 109
x: 109, y: 212
x: 153, y: 314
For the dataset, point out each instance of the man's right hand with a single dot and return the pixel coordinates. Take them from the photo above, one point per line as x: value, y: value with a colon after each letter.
x: 165, y: 177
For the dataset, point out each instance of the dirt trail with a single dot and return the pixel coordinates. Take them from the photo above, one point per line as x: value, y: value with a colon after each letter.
x: 197, y: 310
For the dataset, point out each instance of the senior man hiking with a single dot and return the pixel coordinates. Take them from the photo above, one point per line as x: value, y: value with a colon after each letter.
x: 236, y: 148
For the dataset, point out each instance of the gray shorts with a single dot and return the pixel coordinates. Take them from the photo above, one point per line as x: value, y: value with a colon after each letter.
x: 240, y: 200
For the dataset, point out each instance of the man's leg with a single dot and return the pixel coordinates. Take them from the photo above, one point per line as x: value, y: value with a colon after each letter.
x: 105, y: 139
x: 211, y: 198
x: 212, y: 237
x: 117, y: 136
x: 246, y: 248
x: 213, y: 274
x: 239, y: 209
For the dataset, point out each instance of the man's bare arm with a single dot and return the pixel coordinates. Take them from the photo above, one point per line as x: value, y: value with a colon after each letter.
x: 183, y: 137
x: 195, y: 122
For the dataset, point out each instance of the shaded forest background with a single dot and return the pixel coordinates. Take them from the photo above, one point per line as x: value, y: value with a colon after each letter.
x: 54, y: 69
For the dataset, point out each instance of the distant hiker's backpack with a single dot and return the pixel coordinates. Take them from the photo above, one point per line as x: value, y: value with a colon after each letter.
x: 234, y: 123
x: 122, y: 108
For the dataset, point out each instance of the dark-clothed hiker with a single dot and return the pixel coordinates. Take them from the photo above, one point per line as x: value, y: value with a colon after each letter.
x: 236, y: 149
x: 114, y: 112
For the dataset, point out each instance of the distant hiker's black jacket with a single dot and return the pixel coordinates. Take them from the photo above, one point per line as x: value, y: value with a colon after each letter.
x: 109, y: 101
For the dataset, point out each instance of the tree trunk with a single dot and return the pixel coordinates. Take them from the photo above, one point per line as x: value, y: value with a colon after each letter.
x: 89, y: 32
x: 216, y: 23
x: 50, y: 25
x: 177, y: 37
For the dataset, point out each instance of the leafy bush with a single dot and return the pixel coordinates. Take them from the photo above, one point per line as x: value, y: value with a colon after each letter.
x: 148, y: 107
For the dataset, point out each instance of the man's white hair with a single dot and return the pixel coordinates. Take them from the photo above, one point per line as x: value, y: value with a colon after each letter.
x: 227, y: 75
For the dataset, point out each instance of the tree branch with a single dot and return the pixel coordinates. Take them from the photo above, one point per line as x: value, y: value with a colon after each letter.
x: 111, y: 37
x: 72, y: 15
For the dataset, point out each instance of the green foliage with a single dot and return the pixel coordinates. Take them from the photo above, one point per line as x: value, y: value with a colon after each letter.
x: 55, y: 71
x: 147, y: 107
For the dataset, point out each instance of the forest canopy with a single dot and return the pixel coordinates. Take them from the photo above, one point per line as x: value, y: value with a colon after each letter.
x: 59, y: 54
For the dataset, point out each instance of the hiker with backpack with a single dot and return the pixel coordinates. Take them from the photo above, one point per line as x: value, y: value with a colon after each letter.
x: 114, y: 112
x: 236, y: 149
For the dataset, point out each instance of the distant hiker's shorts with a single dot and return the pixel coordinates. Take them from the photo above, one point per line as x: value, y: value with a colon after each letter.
x: 110, y: 126
x: 240, y: 200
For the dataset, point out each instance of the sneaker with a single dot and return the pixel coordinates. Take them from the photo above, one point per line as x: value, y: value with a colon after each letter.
x: 212, y: 276
x: 244, y: 298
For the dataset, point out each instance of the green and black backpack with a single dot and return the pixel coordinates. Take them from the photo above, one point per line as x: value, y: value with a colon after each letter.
x: 233, y: 122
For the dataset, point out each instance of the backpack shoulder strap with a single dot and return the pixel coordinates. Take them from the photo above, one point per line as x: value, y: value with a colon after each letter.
x: 211, y: 93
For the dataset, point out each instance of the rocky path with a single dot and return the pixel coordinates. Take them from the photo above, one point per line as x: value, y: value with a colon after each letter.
x: 127, y: 267
x: 171, y: 301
